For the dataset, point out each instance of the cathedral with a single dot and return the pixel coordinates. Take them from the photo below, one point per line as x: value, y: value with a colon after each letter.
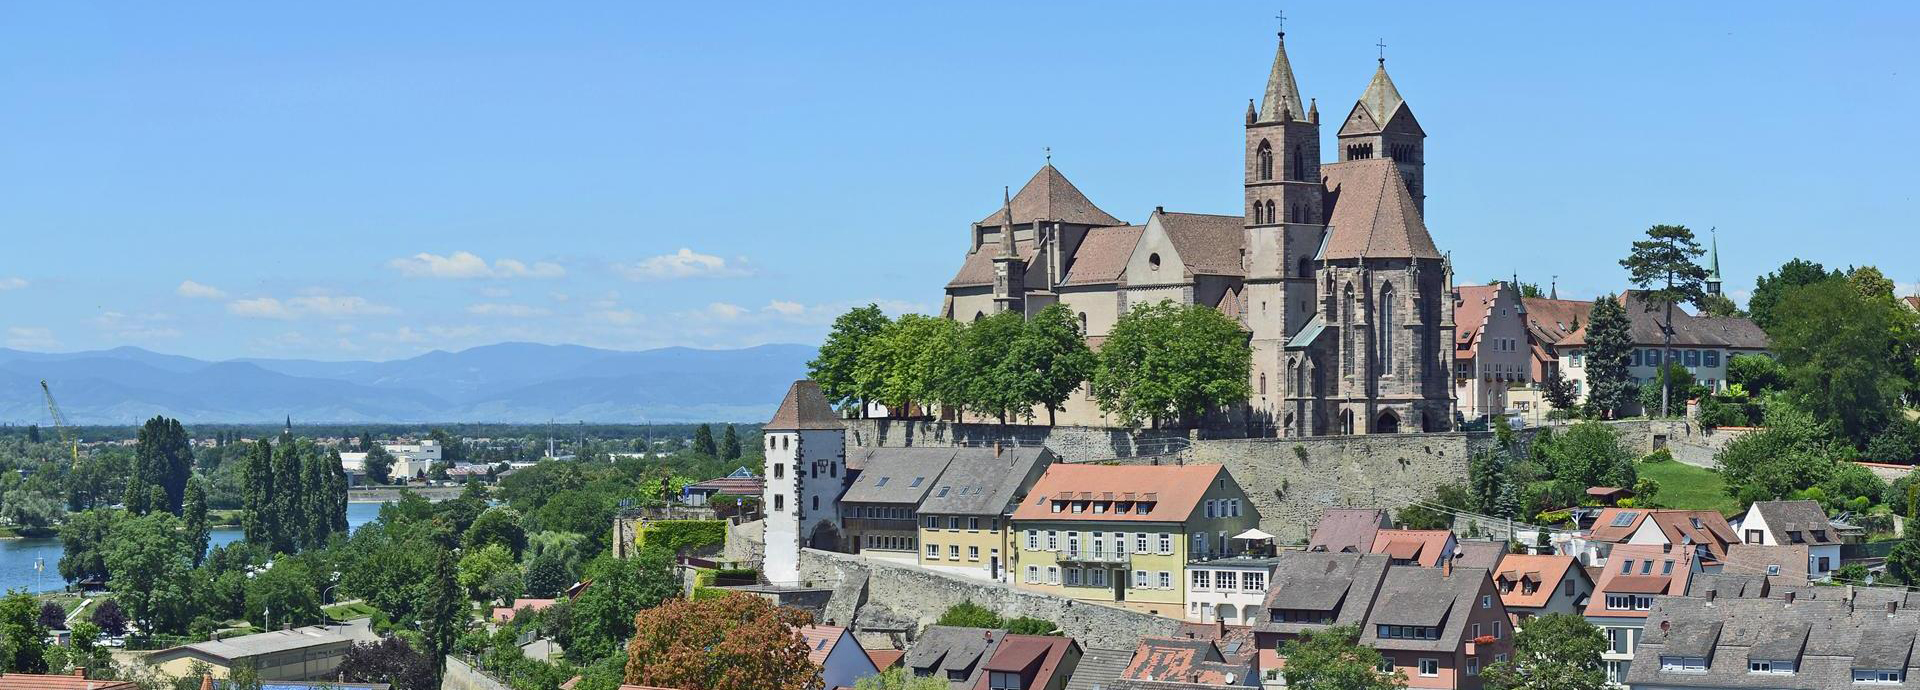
x: 1346, y: 300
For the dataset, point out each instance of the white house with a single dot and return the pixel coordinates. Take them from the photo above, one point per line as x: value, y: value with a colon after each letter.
x: 1230, y: 590
x: 1794, y: 523
x: 409, y: 459
x: 806, y: 473
x: 841, y: 660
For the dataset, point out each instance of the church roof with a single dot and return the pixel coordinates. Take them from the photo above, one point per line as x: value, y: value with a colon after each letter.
x: 1049, y: 196
x: 1208, y: 244
x: 1382, y: 102
x: 1102, y: 255
x: 978, y: 268
x: 805, y: 408
x: 1373, y: 216
x: 1282, y: 92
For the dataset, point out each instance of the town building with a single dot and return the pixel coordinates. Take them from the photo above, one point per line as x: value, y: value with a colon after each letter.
x: 841, y: 660
x: 1348, y: 530
x: 1705, y: 532
x: 1780, y: 566
x: 309, y: 653
x: 1030, y: 662
x: 741, y: 482
x: 77, y: 680
x: 1229, y: 590
x: 1491, y: 351
x: 1794, y: 523
x: 957, y: 655
x: 1539, y: 584
x: 1634, y: 577
x: 881, y: 507
x: 805, y: 474
x: 1702, y: 344
x: 410, y: 460
x: 1700, y: 643
x: 1188, y: 660
x: 1427, y: 548
x: 1329, y: 266
x: 964, y: 522
x: 1125, y: 534
x: 1438, y: 626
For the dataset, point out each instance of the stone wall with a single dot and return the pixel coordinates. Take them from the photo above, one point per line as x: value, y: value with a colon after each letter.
x: 461, y: 676
x: 1072, y: 443
x: 890, y: 596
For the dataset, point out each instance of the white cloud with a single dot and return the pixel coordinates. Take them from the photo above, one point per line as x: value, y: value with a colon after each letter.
x: 136, y: 327
x: 329, y: 306
x: 724, y: 311
x: 12, y: 283
x: 195, y: 290
x: 786, y: 308
x: 617, y: 317
x: 31, y: 338
x: 512, y: 310
x: 495, y: 292
x: 469, y: 265
x: 685, y: 263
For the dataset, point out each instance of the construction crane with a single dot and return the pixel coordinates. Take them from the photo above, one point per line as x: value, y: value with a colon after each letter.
x: 60, y: 423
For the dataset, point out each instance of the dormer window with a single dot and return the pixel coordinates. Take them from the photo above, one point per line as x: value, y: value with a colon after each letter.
x: 1878, y: 675
x: 1683, y: 664
x: 1770, y: 666
x: 1059, y: 506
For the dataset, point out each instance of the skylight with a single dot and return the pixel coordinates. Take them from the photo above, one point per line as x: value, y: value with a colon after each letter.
x: 880, y: 482
x: 1625, y: 518
x: 916, y: 482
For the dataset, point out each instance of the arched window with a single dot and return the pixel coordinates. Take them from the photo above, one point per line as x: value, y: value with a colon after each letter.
x: 1263, y: 161
x: 1263, y: 384
x: 1299, y: 163
x: 1346, y: 333
x: 1153, y: 261
x: 1306, y: 266
x: 1387, y: 327
x: 1083, y: 323
x: 978, y: 315
x: 1270, y: 214
x: 1294, y: 377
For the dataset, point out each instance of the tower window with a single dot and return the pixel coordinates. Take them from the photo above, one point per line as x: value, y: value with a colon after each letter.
x: 1263, y: 384
x: 1270, y: 214
x: 1153, y: 261
x: 1263, y: 161
x: 1298, y: 166
x: 1306, y: 267
x: 1083, y: 323
x: 1387, y: 328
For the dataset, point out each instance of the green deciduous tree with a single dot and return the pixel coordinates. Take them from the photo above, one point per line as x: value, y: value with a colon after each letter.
x: 1559, y: 391
x: 1791, y: 454
x: 1608, y: 352
x: 284, y: 596
x: 83, y: 540
x: 1163, y: 361
x: 1333, y: 659
x: 498, y: 525
x: 163, y: 457
x: 379, y: 465
x: 1558, y: 651
x: 915, y: 359
x: 1590, y: 454
x: 967, y: 614
x: 23, y: 646
x: 603, y: 614
x: 1903, y: 563
x: 992, y: 388
x: 1848, y: 357
x: 257, y: 513
x: 443, y: 612
x: 898, y: 678
x: 1769, y: 289
x: 480, y: 567
x: 1679, y: 386
x: 148, y: 563
x: 1050, y: 359
x: 833, y: 368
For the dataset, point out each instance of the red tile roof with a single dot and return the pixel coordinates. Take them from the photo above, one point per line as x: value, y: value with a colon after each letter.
x: 884, y: 659
x: 1373, y: 216
x: 1174, y: 490
x: 1545, y: 570
x: 1020, y: 653
x: 1470, y: 315
x: 805, y: 408
x: 1102, y: 256
x: 1428, y: 546
x: 77, y: 681
x: 1208, y: 244
x: 821, y: 639
x: 1346, y: 530
x: 1610, y: 578
x: 1049, y: 196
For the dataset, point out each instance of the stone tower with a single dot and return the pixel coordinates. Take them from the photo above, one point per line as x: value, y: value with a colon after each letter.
x: 1009, y: 270
x: 1382, y: 126
x: 1285, y: 220
x: 806, y: 472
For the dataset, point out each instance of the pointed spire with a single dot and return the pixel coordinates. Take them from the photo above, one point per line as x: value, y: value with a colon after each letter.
x: 1713, y: 256
x: 1253, y: 114
x: 1006, y: 223
x: 1381, y: 98
x: 1283, y: 94
x: 1313, y: 110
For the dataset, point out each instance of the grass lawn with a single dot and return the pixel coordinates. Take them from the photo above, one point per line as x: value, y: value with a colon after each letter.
x: 344, y: 612
x: 1687, y: 487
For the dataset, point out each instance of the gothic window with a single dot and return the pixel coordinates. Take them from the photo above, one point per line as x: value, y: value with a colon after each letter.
x: 1083, y: 323
x: 1306, y: 267
x: 1293, y: 376
x: 1270, y: 215
x: 1299, y: 163
x: 1263, y: 384
x: 1387, y: 327
x: 1263, y: 160
x: 1346, y: 333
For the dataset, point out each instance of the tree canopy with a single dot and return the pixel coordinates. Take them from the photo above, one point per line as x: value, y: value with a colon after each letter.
x: 1848, y: 357
x: 1163, y: 361
x: 1557, y: 651
x: 1334, y: 659
x: 833, y: 368
x: 734, y: 642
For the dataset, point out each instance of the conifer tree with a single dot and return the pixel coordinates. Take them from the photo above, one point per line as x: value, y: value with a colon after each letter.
x: 1608, y: 352
x: 194, y: 510
x: 703, y: 440
x: 257, y: 494
x: 287, y: 512
x: 730, y: 444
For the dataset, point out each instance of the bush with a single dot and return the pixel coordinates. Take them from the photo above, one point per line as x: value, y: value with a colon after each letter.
x: 1554, y: 517
x: 1850, y: 481
x: 1661, y: 455
x: 967, y: 614
x: 1894, y: 444
x: 681, y: 536
x: 1028, y: 625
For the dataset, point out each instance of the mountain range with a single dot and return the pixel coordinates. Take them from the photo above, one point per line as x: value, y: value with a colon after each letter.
x: 506, y: 382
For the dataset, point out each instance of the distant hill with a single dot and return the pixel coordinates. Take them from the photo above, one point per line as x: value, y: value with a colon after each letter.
x: 507, y: 382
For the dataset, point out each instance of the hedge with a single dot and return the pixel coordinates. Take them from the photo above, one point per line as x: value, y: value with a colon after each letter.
x: 679, y: 536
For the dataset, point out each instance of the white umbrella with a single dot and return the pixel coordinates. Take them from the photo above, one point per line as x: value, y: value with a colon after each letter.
x: 1253, y: 534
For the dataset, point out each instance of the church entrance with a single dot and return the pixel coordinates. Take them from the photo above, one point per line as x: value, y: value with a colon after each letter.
x: 1388, y: 423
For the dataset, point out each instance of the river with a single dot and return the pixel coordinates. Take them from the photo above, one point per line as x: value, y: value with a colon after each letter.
x: 17, y: 556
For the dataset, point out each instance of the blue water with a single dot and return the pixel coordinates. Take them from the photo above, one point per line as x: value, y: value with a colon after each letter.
x: 17, y: 556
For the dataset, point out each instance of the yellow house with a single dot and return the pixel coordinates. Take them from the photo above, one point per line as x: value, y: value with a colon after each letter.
x: 1123, y: 535
x: 963, y: 517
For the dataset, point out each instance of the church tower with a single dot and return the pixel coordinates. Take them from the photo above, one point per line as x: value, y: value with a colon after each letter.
x: 1285, y: 220
x: 1382, y: 126
x: 1009, y: 271
x: 1713, y: 266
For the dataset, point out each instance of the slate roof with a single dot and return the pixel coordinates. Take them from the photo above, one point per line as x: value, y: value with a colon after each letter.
x: 1175, y: 491
x: 1208, y: 244
x: 1102, y: 256
x: 1048, y: 196
x: 1426, y: 597
x: 1346, y: 529
x: 1373, y: 216
x: 897, y: 475
x: 1040, y: 655
x: 1643, y: 328
x: 943, y: 649
x: 1382, y: 102
x: 1282, y: 95
x: 1479, y: 553
x: 1782, y: 566
x: 1784, y: 518
x: 979, y: 483
x: 1099, y: 668
x: 804, y: 408
x: 1546, y: 570
x: 1236, y: 642
x: 1317, y: 581
x: 1827, y: 640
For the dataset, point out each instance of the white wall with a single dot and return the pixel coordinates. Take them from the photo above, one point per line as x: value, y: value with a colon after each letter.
x: 846, y: 664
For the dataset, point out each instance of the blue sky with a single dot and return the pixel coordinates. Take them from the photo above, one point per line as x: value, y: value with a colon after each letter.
x: 374, y: 180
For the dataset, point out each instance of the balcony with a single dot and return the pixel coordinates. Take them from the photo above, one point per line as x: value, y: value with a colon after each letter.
x: 1096, y: 557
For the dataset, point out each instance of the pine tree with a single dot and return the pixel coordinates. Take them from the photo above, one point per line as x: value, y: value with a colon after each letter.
x: 1609, y: 351
x: 703, y: 440
x: 194, y: 509
x: 730, y: 444
x: 1663, y: 266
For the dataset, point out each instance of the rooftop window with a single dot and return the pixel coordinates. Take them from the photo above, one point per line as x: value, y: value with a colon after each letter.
x: 1625, y: 518
x: 916, y: 482
x: 1878, y: 675
x: 1769, y: 666
x: 880, y: 482
x: 1683, y: 664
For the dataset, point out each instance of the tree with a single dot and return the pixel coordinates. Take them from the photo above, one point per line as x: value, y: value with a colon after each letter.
x: 379, y: 465
x: 735, y: 642
x: 1757, y: 374
x: 730, y: 444
x: 443, y: 612
x: 85, y: 651
x: 366, y: 442
x: 1608, y: 352
x: 1559, y: 391
x: 1050, y: 359
x: 703, y: 440
x: 1847, y: 357
x: 1791, y: 454
x: 1663, y: 266
x: 1333, y: 659
x: 163, y: 457
x: 1557, y: 651
x: 1162, y: 361
x: 898, y: 678
x: 147, y: 559
x: 1435, y: 514
x: 32, y: 509
x: 1590, y: 454
x: 82, y: 541
x: 1903, y: 563
x: 1719, y: 305
x: 833, y: 368
x: 479, y: 567
x: 194, y: 509
x: 109, y: 618
x: 1679, y: 385
x: 1494, y: 480
x: 498, y: 525
x: 23, y: 640
x: 546, y: 576
x: 53, y: 616
x: 390, y: 660
x: 916, y: 359
x: 1770, y: 288
x: 987, y: 348
x: 603, y: 614
x: 284, y: 596
x: 257, y: 498
x: 967, y: 614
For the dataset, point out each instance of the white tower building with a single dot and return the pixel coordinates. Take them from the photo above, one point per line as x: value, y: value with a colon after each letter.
x: 806, y: 473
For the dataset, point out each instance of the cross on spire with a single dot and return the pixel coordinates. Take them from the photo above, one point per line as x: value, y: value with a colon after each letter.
x: 1049, y: 152
x: 1282, y: 16
x: 1382, y: 45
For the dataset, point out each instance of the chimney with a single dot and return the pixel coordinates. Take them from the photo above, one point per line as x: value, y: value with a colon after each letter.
x: 80, y: 672
x: 1892, y: 606
x: 1666, y: 625
x: 996, y: 449
x: 1711, y: 593
x: 1222, y: 622
x: 1446, y: 567
x: 1790, y: 594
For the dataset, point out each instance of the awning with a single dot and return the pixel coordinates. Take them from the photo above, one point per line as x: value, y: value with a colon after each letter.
x: 1254, y: 533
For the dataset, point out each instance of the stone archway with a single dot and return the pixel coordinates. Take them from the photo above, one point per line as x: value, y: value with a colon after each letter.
x: 825, y: 537
x: 1387, y: 423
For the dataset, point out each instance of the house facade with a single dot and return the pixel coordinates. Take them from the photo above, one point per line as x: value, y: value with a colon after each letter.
x: 1702, y: 344
x: 1635, y: 576
x: 964, y: 520
x: 1794, y: 523
x: 1492, y: 354
x: 1533, y: 585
